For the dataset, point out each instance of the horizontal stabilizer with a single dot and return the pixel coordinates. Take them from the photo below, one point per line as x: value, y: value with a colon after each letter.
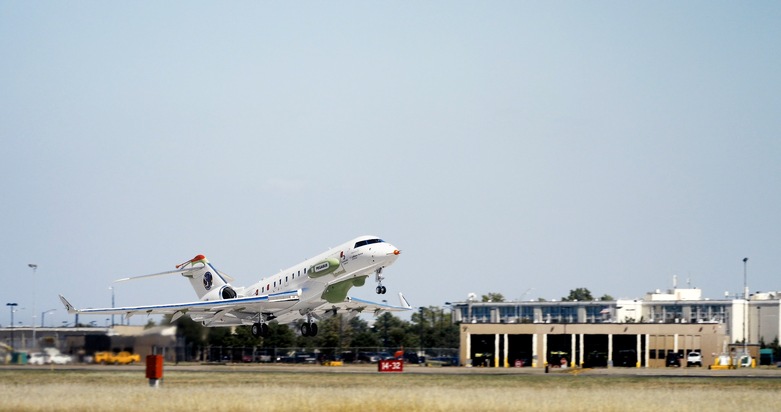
x: 227, y: 277
x: 170, y: 272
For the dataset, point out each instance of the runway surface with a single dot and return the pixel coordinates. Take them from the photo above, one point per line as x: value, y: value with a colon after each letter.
x: 758, y: 373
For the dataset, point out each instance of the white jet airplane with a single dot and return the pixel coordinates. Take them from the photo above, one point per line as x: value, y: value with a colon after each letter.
x: 315, y: 288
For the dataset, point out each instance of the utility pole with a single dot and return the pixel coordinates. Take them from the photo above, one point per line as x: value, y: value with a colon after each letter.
x: 112, y: 305
x: 12, y: 305
x: 421, y: 334
x: 745, y: 308
x: 34, y: 267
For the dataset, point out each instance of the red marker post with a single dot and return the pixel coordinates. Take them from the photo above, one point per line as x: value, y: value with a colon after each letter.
x: 154, y: 370
x: 390, y: 366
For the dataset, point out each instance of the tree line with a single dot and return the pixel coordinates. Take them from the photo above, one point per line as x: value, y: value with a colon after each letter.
x: 577, y: 294
x: 430, y: 327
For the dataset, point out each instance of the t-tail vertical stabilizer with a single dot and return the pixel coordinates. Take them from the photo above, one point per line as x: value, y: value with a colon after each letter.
x: 208, y: 282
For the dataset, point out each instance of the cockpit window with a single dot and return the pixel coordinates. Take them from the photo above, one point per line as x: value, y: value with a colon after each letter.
x: 367, y: 242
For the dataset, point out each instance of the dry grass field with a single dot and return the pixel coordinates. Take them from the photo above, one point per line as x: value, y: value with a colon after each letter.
x: 117, y: 390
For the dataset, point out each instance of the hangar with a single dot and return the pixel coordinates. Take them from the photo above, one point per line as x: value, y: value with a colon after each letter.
x: 587, y: 345
x: 624, y: 332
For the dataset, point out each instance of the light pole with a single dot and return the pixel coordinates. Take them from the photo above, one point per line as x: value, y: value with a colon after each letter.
x: 745, y: 308
x: 34, y: 267
x: 112, y: 305
x: 43, y: 315
x: 11, y: 306
x: 421, y: 333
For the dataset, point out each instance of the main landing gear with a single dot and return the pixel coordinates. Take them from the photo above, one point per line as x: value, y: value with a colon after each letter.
x: 379, y: 277
x: 309, y: 329
x: 260, y: 330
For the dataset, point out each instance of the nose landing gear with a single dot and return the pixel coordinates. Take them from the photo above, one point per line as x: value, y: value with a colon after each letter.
x: 379, y: 277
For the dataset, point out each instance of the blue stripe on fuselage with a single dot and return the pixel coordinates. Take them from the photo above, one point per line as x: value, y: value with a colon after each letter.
x: 251, y: 299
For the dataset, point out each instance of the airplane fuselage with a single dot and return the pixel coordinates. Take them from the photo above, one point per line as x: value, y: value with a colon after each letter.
x: 329, y: 275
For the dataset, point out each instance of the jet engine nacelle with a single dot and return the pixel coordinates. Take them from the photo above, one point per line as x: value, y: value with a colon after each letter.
x: 224, y: 292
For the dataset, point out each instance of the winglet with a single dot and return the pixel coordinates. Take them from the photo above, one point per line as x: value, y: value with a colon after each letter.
x: 71, y: 310
x: 404, y: 302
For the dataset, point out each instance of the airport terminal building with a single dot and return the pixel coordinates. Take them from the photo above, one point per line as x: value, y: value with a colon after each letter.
x: 646, y: 332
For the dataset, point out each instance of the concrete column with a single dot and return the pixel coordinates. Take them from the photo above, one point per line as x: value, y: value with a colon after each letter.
x: 582, y: 348
x: 468, y: 354
x: 675, y: 342
x: 638, y: 351
x: 496, y: 350
x: 572, y: 360
x: 534, y: 351
x: 506, y: 350
x: 610, y: 350
x: 647, y: 352
x: 544, y: 356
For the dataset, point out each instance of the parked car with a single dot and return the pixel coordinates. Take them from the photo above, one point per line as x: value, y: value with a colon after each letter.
x: 694, y: 358
x: 626, y: 357
x: 368, y: 357
x: 442, y: 361
x: 673, y: 359
x: 384, y: 356
x: 60, y: 359
x: 36, y: 358
x: 596, y: 359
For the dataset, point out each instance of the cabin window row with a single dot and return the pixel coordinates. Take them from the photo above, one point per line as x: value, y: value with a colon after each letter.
x: 269, y: 287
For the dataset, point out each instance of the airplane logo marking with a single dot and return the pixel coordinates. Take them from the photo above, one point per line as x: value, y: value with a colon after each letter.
x: 207, y: 280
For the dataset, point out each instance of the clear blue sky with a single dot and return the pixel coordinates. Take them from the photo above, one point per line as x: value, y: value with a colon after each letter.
x: 526, y: 148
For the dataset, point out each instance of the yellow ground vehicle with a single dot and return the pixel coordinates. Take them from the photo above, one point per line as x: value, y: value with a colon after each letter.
x: 121, y: 358
x: 104, y: 357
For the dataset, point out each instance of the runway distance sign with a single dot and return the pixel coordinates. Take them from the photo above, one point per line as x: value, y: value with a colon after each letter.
x: 390, y: 366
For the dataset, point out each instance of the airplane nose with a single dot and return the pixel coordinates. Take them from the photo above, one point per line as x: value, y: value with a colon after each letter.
x: 388, y: 251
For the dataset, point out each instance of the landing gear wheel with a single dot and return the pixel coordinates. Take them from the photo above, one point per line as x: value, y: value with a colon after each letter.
x: 309, y: 329
x: 378, y: 277
x: 259, y: 330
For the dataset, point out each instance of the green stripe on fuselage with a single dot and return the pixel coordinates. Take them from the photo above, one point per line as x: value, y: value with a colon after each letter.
x: 324, y: 268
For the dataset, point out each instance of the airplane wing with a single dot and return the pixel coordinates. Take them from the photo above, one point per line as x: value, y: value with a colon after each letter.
x: 245, y: 310
x: 351, y: 306
x: 360, y: 305
x: 219, y: 312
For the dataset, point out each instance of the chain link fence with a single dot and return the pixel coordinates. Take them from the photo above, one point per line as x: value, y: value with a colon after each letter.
x: 301, y: 355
